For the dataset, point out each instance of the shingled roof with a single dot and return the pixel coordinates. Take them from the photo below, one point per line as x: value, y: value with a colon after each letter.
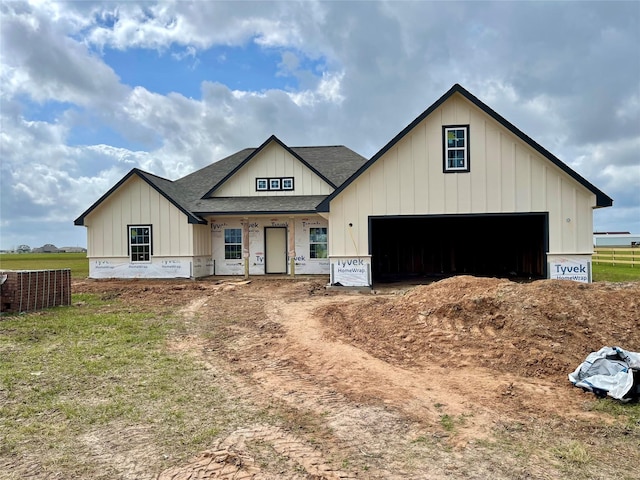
x: 191, y: 193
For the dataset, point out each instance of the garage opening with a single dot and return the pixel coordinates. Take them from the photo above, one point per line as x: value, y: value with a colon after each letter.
x: 500, y: 245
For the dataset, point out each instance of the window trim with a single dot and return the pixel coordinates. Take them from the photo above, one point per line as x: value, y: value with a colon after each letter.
x: 466, y: 149
x: 275, y: 181
x: 130, y: 245
x: 277, y: 186
x: 266, y: 184
x: 325, y: 243
x: 285, y: 179
x: 234, y: 243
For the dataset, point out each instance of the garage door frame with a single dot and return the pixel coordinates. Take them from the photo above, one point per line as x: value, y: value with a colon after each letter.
x: 497, y: 218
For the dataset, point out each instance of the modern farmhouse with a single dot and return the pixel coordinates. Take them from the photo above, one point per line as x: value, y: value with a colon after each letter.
x: 459, y: 190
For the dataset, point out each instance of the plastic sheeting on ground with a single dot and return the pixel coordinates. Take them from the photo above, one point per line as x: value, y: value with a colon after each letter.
x: 610, y: 371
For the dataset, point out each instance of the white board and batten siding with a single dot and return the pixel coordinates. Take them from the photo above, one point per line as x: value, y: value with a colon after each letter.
x: 506, y: 176
x: 273, y: 161
x: 179, y: 248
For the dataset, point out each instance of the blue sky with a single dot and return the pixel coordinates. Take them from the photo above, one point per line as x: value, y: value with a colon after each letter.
x: 89, y: 90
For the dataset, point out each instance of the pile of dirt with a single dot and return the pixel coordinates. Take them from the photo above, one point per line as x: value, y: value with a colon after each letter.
x: 539, y: 329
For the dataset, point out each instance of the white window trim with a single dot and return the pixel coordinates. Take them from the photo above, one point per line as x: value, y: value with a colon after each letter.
x: 445, y: 167
x: 131, y: 245
x: 230, y: 243
x: 286, y: 179
x: 275, y: 184
x: 326, y: 244
x: 273, y: 181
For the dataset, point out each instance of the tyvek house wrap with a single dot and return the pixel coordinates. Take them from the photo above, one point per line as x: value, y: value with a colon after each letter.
x: 610, y: 371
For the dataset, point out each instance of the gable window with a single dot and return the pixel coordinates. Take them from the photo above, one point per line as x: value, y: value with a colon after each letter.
x: 274, y: 184
x: 232, y: 243
x: 456, y: 148
x: 287, y: 183
x: 140, y: 243
x: 318, y: 242
x: 262, y: 184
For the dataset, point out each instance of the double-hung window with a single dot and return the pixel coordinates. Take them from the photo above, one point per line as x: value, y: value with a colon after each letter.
x: 232, y: 243
x: 456, y: 148
x: 318, y: 242
x: 140, y: 243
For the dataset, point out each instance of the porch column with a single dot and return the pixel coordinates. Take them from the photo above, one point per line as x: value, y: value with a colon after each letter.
x: 245, y: 245
x: 292, y: 246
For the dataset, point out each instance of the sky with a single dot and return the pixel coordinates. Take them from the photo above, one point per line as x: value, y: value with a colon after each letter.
x: 90, y: 90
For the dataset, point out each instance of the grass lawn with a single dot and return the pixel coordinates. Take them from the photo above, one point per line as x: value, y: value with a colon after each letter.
x: 615, y: 273
x: 69, y: 373
x: 77, y: 262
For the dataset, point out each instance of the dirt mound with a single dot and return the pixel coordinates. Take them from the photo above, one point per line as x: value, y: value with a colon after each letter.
x: 539, y: 329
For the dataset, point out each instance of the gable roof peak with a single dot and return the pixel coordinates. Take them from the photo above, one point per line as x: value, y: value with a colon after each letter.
x: 602, y: 199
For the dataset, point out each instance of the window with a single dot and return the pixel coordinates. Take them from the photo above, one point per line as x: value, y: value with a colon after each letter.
x: 287, y: 183
x: 232, y: 243
x: 274, y: 184
x: 318, y: 242
x: 456, y: 148
x: 140, y: 243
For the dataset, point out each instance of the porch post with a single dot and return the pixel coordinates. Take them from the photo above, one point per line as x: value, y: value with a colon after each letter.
x: 245, y: 245
x: 292, y: 246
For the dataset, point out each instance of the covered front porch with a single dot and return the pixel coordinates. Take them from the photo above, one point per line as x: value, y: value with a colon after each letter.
x: 269, y: 245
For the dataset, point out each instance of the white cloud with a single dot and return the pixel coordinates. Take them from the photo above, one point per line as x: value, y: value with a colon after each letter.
x: 374, y: 67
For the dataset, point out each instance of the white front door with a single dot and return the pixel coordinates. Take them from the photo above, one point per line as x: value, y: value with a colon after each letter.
x: 275, y: 249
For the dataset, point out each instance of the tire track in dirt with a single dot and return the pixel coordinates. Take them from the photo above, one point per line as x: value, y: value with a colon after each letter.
x: 300, y: 372
x: 232, y: 457
x: 229, y: 459
x: 127, y: 455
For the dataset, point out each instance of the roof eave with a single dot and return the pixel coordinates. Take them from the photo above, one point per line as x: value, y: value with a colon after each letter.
x: 256, y: 212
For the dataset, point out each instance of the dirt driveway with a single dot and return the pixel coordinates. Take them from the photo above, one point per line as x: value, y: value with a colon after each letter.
x: 462, y: 378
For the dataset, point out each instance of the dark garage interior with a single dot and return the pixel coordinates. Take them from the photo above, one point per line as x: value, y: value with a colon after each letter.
x: 500, y: 245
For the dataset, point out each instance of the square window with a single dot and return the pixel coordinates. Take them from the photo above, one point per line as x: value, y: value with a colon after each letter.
x: 262, y: 184
x: 287, y: 183
x: 456, y: 148
x: 274, y: 184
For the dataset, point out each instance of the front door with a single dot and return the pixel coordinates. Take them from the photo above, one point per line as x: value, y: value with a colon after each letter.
x: 275, y: 249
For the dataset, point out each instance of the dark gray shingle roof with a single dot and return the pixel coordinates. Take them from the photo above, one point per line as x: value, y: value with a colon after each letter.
x: 334, y: 163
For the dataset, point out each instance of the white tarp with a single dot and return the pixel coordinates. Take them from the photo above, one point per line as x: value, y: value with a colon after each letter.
x: 610, y: 371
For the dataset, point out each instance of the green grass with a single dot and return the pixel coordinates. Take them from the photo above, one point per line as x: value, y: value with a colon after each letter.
x: 615, y: 273
x: 77, y: 262
x: 628, y: 411
x: 69, y: 372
